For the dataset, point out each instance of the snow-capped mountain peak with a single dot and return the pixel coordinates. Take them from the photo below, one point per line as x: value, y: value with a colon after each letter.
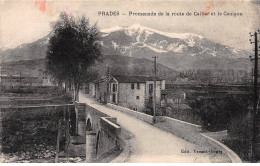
x: 112, y: 29
x: 139, y: 41
x: 174, y: 50
x: 139, y: 28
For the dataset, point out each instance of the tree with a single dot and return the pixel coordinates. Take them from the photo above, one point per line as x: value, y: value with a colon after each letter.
x: 73, y: 48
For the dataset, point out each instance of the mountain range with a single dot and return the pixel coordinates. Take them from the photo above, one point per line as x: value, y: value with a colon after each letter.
x: 176, y: 51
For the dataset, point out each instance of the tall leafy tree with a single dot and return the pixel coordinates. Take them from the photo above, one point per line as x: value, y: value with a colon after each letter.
x: 73, y: 48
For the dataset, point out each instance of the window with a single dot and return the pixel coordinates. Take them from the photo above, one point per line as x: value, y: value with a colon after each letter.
x: 137, y: 97
x: 150, y: 99
x: 138, y: 85
x: 114, y: 87
x: 150, y: 88
x: 163, y: 96
x: 132, y: 85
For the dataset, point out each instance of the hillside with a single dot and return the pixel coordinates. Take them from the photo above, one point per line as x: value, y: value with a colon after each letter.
x: 180, y: 52
x: 122, y: 65
x: 177, y: 51
x: 27, y: 51
x: 119, y: 65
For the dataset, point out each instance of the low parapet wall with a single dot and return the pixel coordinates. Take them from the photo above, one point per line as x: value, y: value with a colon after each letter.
x: 187, y: 131
x: 16, y: 102
x: 108, y: 140
x: 181, y: 125
x: 139, y: 115
x: 33, y: 112
x: 218, y: 145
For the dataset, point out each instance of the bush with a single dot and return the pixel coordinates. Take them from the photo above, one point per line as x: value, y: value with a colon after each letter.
x: 231, y: 113
x: 61, y: 98
x: 216, y: 113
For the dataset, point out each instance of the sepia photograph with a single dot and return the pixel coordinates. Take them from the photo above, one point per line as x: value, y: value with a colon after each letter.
x: 129, y: 81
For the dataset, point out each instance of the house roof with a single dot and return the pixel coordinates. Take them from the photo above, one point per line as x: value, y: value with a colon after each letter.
x: 134, y: 79
x: 103, y: 79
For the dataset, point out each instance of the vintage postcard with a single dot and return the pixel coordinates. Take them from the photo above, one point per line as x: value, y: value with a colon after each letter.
x: 129, y: 81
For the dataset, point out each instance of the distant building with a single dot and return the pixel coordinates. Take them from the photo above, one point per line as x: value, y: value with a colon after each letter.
x: 46, y: 78
x: 15, y: 80
x: 15, y: 77
x: 175, y: 95
x: 134, y: 92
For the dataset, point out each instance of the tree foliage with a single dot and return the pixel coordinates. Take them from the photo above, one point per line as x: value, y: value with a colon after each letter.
x: 216, y: 113
x: 73, y: 48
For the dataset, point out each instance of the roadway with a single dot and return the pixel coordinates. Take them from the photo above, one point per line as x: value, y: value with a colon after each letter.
x: 150, y: 144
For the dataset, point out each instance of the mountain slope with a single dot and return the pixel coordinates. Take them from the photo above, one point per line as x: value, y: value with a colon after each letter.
x: 119, y: 65
x: 122, y: 65
x: 28, y: 51
x: 177, y: 51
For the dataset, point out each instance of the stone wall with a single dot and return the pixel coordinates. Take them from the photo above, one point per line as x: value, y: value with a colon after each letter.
x: 16, y: 102
x: 106, y: 130
x: 187, y: 131
x: 139, y: 115
x: 34, y: 112
x: 181, y: 125
x: 27, y: 127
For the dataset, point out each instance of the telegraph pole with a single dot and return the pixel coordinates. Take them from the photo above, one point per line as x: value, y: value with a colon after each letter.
x: 154, y: 90
x: 255, y: 106
x: 20, y: 75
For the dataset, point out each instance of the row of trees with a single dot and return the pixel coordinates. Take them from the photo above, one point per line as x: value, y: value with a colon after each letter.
x: 73, y: 48
x: 231, y: 113
x: 217, y: 75
x: 216, y: 113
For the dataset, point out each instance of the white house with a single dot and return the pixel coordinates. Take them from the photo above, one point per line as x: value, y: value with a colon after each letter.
x: 134, y: 92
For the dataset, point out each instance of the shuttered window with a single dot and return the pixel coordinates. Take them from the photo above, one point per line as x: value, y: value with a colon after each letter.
x: 132, y: 86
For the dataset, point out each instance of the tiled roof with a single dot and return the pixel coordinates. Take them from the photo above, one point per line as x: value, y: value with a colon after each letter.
x: 134, y: 79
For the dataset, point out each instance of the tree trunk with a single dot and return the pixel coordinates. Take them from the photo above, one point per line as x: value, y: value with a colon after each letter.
x: 65, y: 88
x: 73, y: 91
x: 76, y: 91
x: 60, y: 86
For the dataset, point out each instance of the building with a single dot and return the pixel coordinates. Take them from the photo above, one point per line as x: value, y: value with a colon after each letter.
x: 15, y: 80
x: 21, y: 77
x: 134, y: 92
x: 45, y: 78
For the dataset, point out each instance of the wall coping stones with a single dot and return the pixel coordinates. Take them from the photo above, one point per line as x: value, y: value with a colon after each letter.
x: 232, y: 155
x: 109, y: 122
x: 39, y: 106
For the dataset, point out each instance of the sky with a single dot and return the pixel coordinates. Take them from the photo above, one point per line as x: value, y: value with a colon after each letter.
x: 24, y: 21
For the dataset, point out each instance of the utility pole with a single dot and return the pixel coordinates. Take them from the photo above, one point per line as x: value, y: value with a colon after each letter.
x: 20, y: 75
x: 255, y: 106
x: 108, y: 71
x: 154, y: 90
